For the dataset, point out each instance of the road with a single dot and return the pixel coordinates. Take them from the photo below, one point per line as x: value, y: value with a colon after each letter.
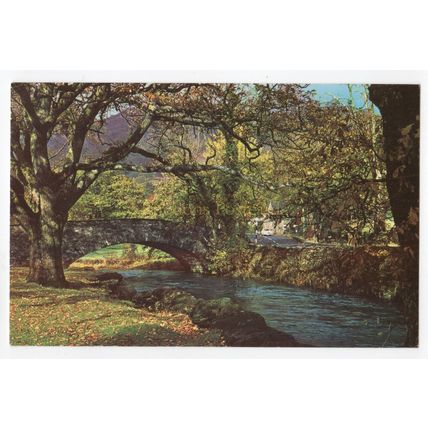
x: 275, y: 241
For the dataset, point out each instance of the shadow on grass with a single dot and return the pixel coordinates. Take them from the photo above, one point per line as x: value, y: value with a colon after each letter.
x: 27, y: 294
x: 145, y: 335
x: 76, y: 293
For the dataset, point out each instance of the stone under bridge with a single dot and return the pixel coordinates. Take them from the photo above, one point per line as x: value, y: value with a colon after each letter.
x: 187, y: 244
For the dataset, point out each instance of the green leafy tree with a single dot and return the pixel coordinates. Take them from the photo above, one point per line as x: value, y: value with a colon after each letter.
x: 112, y: 195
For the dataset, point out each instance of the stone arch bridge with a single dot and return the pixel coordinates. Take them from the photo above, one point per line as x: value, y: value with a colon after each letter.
x: 187, y: 244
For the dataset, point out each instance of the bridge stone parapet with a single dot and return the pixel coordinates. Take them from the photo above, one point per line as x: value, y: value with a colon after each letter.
x: 187, y: 244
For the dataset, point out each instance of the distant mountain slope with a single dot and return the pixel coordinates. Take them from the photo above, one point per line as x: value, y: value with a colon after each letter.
x: 115, y: 130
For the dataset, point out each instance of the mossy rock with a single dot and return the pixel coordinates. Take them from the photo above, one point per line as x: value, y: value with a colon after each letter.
x: 169, y: 299
x: 224, y: 314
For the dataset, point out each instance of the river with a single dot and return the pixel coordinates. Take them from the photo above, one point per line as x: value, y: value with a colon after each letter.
x: 312, y: 317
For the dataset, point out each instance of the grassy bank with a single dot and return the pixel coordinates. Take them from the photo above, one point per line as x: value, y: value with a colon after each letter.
x: 87, y: 315
x: 127, y: 256
x: 123, y: 263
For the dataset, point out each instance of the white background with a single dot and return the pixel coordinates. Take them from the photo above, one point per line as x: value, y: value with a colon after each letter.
x: 233, y: 387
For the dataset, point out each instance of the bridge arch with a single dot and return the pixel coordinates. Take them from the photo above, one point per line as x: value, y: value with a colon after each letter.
x: 186, y: 244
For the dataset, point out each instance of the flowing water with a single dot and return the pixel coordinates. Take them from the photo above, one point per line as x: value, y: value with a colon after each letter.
x: 312, y: 317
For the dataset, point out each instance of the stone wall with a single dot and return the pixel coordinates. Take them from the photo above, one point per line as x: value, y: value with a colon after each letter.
x: 374, y: 272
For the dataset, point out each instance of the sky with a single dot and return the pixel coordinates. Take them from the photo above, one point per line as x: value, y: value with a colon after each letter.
x: 327, y: 92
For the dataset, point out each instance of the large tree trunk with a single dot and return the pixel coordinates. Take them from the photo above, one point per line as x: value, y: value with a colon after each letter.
x: 400, y: 107
x: 46, y: 233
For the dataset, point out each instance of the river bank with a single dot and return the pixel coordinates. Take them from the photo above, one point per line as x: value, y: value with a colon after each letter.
x: 88, y: 315
x: 99, y: 309
x: 238, y: 325
x: 370, y: 272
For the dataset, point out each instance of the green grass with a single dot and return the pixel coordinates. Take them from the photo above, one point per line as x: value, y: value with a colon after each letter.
x: 123, y: 256
x: 89, y: 316
x: 122, y: 250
